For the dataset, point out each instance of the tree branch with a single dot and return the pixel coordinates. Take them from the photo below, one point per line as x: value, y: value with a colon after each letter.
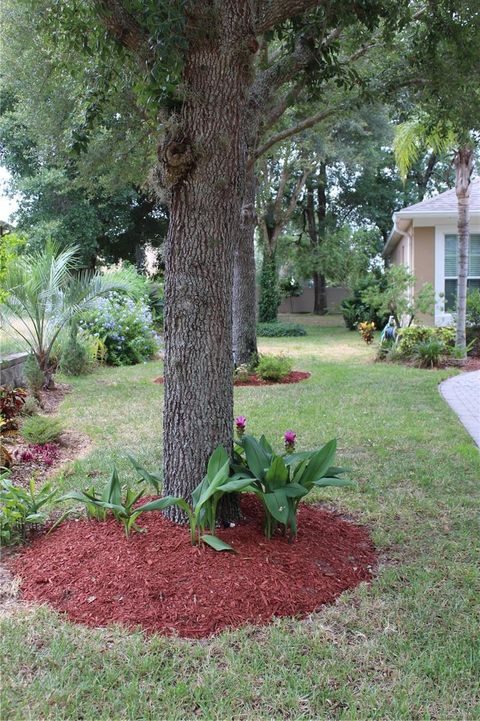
x: 294, y: 130
x: 123, y: 26
x: 274, y: 12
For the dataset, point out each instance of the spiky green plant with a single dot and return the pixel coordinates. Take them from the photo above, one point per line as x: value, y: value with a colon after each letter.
x: 46, y: 289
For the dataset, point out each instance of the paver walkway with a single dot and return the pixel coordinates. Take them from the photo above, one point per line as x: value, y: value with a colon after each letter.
x: 462, y: 393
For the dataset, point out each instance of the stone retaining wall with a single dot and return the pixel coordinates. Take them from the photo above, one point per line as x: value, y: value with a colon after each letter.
x: 11, y: 369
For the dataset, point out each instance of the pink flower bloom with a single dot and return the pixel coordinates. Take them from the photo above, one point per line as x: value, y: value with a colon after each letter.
x: 290, y: 437
x: 241, y: 422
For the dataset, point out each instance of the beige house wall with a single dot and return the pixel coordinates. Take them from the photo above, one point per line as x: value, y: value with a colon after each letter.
x: 304, y: 303
x: 424, y: 263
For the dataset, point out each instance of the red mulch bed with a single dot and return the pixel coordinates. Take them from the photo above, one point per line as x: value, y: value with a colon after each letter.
x: 157, y: 580
x: 254, y: 380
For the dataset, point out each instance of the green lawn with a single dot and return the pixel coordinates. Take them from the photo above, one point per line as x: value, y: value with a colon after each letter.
x: 404, y: 647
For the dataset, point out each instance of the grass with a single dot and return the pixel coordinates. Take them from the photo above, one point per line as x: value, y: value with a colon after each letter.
x: 402, y: 647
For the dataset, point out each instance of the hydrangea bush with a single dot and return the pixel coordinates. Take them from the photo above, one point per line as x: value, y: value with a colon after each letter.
x: 125, y: 327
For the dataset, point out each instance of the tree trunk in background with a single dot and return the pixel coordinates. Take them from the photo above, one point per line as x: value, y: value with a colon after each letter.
x: 244, y: 281
x: 463, y: 162
x: 316, y: 231
x: 205, y: 165
x: 319, y: 294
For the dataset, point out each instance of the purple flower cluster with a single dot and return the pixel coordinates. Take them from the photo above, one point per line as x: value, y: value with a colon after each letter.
x: 46, y: 454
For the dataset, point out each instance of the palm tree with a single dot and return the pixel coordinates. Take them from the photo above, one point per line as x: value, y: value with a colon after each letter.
x: 45, y: 291
x: 410, y: 139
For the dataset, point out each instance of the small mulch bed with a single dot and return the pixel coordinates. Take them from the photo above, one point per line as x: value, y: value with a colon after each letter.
x: 254, y: 380
x: 70, y: 445
x: 159, y: 581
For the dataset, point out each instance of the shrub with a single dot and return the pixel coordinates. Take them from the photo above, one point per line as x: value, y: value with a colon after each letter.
x: 473, y: 341
x: 34, y: 376
x: 356, y: 310
x: 409, y: 338
x: 12, y: 401
x: 428, y: 353
x: 241, y: 373
x: 74, y: 359
x: 473, y: 308
x: 273, y: 368
x: 20, y: 508
x: 269, y: 293
x: 40, y: 430
x: 30, y: 407
x: 280, y: 330
x: 367, y: 331
x: 125, y: 327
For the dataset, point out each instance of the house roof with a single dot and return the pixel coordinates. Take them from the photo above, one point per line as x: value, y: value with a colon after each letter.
x: 443, y: 205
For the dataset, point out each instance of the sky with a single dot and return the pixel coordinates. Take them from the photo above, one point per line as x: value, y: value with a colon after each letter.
x: 7, y: 205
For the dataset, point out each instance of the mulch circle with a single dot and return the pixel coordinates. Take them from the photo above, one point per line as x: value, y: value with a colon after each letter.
x: 254, y: 380
x: 159, y: 581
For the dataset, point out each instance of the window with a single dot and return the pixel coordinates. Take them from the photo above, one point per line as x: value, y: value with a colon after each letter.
x: 451, y: 265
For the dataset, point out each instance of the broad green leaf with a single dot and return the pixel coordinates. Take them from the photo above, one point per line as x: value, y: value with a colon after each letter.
x: 299, y: 471
x: 36, y: 518
x: 160, y: 503
x: 155, y: 479
x: 320, y: 463
x: 220, y: 478
x: 295, y: 490
x: 258, y: 459
x: 197, y: 492
x: 115, y: 488
x: 277, y: 504
x: 266, y: 445
x: 291, y: 458
x: 235, y: 485
x: 216, y: 461
x: 216, y: 543
x: 335, y: 471
x: 277, y: 474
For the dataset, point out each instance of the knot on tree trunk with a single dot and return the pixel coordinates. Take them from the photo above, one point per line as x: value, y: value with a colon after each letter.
x: 248, y: 214
x: 177, y: 160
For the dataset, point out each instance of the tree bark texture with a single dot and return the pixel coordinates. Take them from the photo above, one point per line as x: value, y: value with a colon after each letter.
x: 463, y: 162
x: 204, y: 163
x: 316, y: 230
x: 244, y: 280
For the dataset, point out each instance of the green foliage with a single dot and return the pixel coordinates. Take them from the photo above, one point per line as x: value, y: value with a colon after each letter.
x: 41, y: 430
x: 393, y: 297
x: 409, y: 338
x: 30, y: 407
x: 34, y: 377
x: 8, y: 247
x: 124, y: 325
x: 48, y: 289
x: 290, y: 287
x: 473, y: 308
x: 20, y: 508
x: 273, y: 368
x: 242, y: 373
x: 473, y: 340
x: 74, y: 359
x: 269, y: 293
x: 12, y: 401
x: 280, y: 482
x: 428, y: 353
x: 280, y: 330
x: 356, y: 310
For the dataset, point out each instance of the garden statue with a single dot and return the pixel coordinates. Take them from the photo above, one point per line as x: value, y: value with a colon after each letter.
x: 390, y: 330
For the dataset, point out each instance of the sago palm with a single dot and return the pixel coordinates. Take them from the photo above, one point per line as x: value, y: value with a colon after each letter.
x: 410, y: 139
x: 45, y: 291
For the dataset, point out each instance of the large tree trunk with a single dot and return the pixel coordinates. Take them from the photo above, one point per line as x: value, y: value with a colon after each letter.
x: 244, y: 281
x: 205, y: 165
x: 316, y: 230
x: 463, y: 170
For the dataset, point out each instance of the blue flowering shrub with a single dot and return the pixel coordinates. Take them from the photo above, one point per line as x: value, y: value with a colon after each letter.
x: 125, y: 327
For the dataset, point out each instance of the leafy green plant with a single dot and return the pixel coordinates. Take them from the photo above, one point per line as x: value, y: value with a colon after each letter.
x: 242, y: 373
x: 30, y: 407
x: 12, y: 401
x: 281, y: 481
x: 74, y: 359
x: 428, y: 353
x: 280, y: 330
x: 273, y: 368
x: 40, y: 429
x: 34, y: 377
x: 20, y: 508
x: 473, y: 308
x: 46, y: 291
x: 409, y: 338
